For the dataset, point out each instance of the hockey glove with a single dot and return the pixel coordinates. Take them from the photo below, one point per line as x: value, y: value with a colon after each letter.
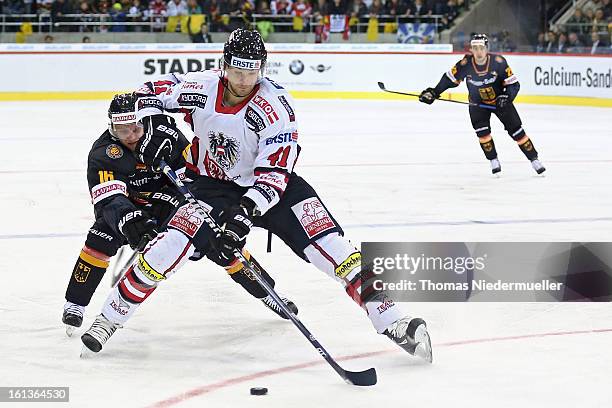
x: 428, y: 96
x: 138, y: 229
x: 236, y: 222
x: 163, y: 204
x: 160, y: 137
x: 503, y: 101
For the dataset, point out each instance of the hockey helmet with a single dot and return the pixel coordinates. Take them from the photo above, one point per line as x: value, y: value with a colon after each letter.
x: 480, y: 39
x: 245, y: 49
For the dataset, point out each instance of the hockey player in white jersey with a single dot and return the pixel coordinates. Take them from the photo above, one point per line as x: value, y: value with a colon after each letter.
x: 242, y: 158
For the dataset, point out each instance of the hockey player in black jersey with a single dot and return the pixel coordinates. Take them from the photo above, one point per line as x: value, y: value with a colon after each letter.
x: 490, y: 81
x: 131, y: 204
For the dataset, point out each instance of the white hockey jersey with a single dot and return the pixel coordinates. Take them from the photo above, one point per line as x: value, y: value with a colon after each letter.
x: 253, y: 144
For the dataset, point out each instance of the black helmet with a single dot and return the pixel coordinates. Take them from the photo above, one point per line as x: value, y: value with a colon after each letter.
x: 480, y: 39
x: 245, y: 49
x: 122, y: 109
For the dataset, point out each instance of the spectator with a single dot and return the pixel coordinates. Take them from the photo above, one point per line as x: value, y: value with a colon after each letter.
x: 607, y: 8
x: 589, y: 14
x: 58, y: 10
x: 551, y: 41
x: 599, y: 22
x: 280, y: 7
x: 597, y: 46
x: 301, y: 8
x: 118, y: 15
x: 194, y: 8
x: 86, y: 17
x: 578, y: 23
x: 203, y: 36
x: 360, y: 9
x: 86, y: 40
x: 264, y: 7
x: 574, y: 45
x: 420, y: 9
x: 452, y: 10
x: 376, y: 8
x: 338, y: 7
x: 48, y: 39
x: 561, y: 44
x: 540, y: 44
x: 395, y: 8
x: 43, y: 6
x: 157, y: 10
x: 505, y: 42
x: 177, y: 8
x: 136, y: 14
x: 320, y: 8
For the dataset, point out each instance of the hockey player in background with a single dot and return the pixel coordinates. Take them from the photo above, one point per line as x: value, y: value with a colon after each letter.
x: 490, y: 81
x: 131, y: 205
x: 241, y: 162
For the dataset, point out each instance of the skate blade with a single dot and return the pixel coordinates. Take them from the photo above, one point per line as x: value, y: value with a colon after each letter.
x: 70, y: 330
x: 423, y: 348
x: 86, y: 353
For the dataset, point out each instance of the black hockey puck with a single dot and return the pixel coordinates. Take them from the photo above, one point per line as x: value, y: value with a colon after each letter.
x: 259, y: 391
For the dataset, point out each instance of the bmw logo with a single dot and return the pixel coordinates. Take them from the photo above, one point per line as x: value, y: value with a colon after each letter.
x: 296, y: 67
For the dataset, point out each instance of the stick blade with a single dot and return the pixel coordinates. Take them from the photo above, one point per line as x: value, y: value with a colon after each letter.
x: 361, y: 378
x: 381, y: 86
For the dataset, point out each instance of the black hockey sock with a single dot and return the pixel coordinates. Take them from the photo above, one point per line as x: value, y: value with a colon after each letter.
x: 527, y: 148
x: 248, y: 282
x: 488, y: 147
x: 86, y: 276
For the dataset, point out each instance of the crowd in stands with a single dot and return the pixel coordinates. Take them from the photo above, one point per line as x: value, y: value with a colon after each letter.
x: 587, y: 31
x: 224, y: 15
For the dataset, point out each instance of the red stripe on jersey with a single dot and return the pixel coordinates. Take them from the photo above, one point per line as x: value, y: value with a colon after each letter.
x: 325, y: 254
x: 181, y: 256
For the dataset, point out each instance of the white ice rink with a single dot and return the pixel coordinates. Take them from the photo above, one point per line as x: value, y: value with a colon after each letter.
x: 389, y: 171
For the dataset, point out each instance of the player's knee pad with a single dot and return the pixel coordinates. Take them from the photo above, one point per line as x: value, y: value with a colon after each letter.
x: 336, y: 256
x: 164, y: 255
x: 483, y: 131
x: 190, y: 222
x: 86, y: 275
x: 518, y: 134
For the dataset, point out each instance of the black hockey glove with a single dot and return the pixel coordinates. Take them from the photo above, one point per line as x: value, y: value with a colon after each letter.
x: 160, y: 137
x: 163, y: 203
x: 138, y: 229
x: 428, y: 96
x: 503, y: 101
x: 236, y: 222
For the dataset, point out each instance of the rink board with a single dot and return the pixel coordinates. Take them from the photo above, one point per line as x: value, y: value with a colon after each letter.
x: 346, y: 71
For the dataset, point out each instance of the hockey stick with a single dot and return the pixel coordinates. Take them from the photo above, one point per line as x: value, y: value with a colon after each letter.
x: 480, y: 105
x: 367, y: 377
x: 116, y: 277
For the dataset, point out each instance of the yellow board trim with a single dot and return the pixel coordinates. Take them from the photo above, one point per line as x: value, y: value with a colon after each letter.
x: 93, y: 261
x: 377, y: 95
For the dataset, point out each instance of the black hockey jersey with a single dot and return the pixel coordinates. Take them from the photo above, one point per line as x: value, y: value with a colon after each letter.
x: 118, y: 182
x: 484, y: 82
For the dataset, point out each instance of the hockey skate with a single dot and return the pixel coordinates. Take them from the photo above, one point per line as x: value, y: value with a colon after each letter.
x: 98, y: 334
x: 72, y: 317
x: 495, y: 167
x: 411, y: 335
x: 537, y: 166
x: 271, y: 304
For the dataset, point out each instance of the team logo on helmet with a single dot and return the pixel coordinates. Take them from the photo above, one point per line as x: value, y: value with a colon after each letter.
x: 114, y: 151
x: 224, y: 149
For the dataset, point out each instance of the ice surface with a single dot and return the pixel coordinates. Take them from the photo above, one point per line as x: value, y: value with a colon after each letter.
x: 389, y: 171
